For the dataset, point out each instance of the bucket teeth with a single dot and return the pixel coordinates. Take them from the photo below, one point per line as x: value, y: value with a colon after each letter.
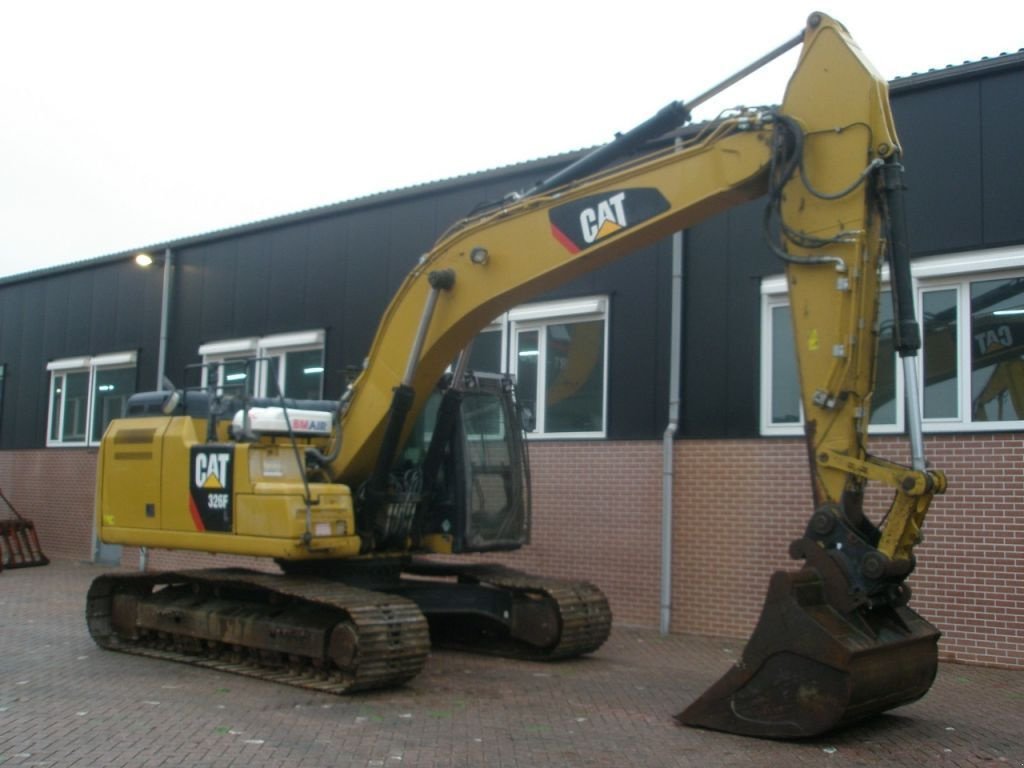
x: 809, y: 669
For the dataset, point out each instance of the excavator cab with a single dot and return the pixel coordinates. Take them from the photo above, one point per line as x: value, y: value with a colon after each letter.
x: 469, y: 453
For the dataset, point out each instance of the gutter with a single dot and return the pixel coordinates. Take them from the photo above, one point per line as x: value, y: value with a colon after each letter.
x: 668, y: 437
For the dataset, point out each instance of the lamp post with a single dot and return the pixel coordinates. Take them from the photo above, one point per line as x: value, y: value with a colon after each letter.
x: 145, y: 260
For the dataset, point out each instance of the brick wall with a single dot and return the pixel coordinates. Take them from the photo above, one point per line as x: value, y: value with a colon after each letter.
x: 738, y: 504
x: 54, y: 489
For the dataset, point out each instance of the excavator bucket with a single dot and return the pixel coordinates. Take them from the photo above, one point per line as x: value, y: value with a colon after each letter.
x: 19, y: 543
x: 809, y: 668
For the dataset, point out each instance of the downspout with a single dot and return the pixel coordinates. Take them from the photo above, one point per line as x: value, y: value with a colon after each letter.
x: 165, y: 312
x: 667, y: 440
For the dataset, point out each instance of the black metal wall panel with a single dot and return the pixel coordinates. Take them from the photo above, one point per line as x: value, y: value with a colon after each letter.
x: 1002, y: 143
x: 940, y: 133
x: 253, y: 285
x: 337, y: 270
x: 283, y: 295
x: 84, y: 312
x: 638, y: 334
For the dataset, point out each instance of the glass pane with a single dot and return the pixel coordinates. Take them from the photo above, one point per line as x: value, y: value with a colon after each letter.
x: 236, y: 377
x: 75, y: 402
x: 997, y: 362
x: 304, y: 374
x: 526, y: 376
x: 485, y: 355
x: 483, y: 417
x: 785, y: 380
x: 574, y: 374
x: 940, y: 358
x: 883, y: 403
x: 2, y: 371
x: 110, y: 397
x: 56, y: 398
x: 491, y: 487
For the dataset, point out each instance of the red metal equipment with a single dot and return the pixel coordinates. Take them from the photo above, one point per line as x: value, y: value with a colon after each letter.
x: 19, y: 543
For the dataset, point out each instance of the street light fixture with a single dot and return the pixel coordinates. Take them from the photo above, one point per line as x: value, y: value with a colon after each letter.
x: 146, y: 260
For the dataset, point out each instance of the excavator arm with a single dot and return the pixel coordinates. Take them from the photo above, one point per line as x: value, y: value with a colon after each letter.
x: 829, y: 162
x: 535, y: 243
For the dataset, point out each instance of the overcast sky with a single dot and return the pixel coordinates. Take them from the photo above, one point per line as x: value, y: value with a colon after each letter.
x: 130, y: 123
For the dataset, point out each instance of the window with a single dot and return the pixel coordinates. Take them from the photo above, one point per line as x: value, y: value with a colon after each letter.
x: 86, y: 393
x: 971, y: 364
x: 558, y: 353
x: 297, y: 360
x: 291, y: 364
x: 3, y: 371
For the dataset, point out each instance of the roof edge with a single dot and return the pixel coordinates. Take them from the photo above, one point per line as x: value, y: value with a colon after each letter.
x: 898, y: 85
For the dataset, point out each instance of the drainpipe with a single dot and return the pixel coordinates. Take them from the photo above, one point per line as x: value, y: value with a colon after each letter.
x: 667, y: 470
x: 165, y: 311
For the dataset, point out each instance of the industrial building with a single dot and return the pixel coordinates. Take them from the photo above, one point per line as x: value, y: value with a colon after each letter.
x: 307, y: 290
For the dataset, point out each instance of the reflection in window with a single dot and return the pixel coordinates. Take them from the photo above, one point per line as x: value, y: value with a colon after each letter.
x: 485, y: 354
x: 997, y: 365
x: 941, y: 379
x: 785, y: 384
x: 556, y: 352
x: 782, y: 377
x: 235, y: 377
x: 71, y: 392
x: 971, y: 363
x: 288, y: 364
x: 883, y: 401
x: 574, y: 377
x: 304, y: 374
x: 527, y: 358
x: 111, y: 390
x: 86, y: 394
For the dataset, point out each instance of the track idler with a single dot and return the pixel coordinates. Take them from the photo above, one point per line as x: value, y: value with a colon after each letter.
x: 810, y: 667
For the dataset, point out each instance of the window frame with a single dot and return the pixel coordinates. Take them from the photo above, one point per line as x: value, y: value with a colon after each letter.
x: 91, y: 367
x: 265, y: 348
x: 278, y: 347
x: 538, y: 317
x: 930, y: 274
x: 3, y: 379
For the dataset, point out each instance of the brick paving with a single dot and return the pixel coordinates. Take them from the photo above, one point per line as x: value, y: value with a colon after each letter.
x: 64, y: 702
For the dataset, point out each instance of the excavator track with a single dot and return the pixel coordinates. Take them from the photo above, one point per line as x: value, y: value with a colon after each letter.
x: 549, y: 619
x: 307, y: 632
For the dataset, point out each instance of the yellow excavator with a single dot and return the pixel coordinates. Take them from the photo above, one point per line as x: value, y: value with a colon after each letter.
x: 423, y: 456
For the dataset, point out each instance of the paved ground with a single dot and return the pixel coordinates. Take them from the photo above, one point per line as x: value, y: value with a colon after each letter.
x: 63, y: 702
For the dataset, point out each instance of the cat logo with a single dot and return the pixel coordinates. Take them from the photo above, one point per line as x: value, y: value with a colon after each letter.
x: 605, y: 218
x: 579, y: 224
x: 211, y: 470
x: 994, y: 339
